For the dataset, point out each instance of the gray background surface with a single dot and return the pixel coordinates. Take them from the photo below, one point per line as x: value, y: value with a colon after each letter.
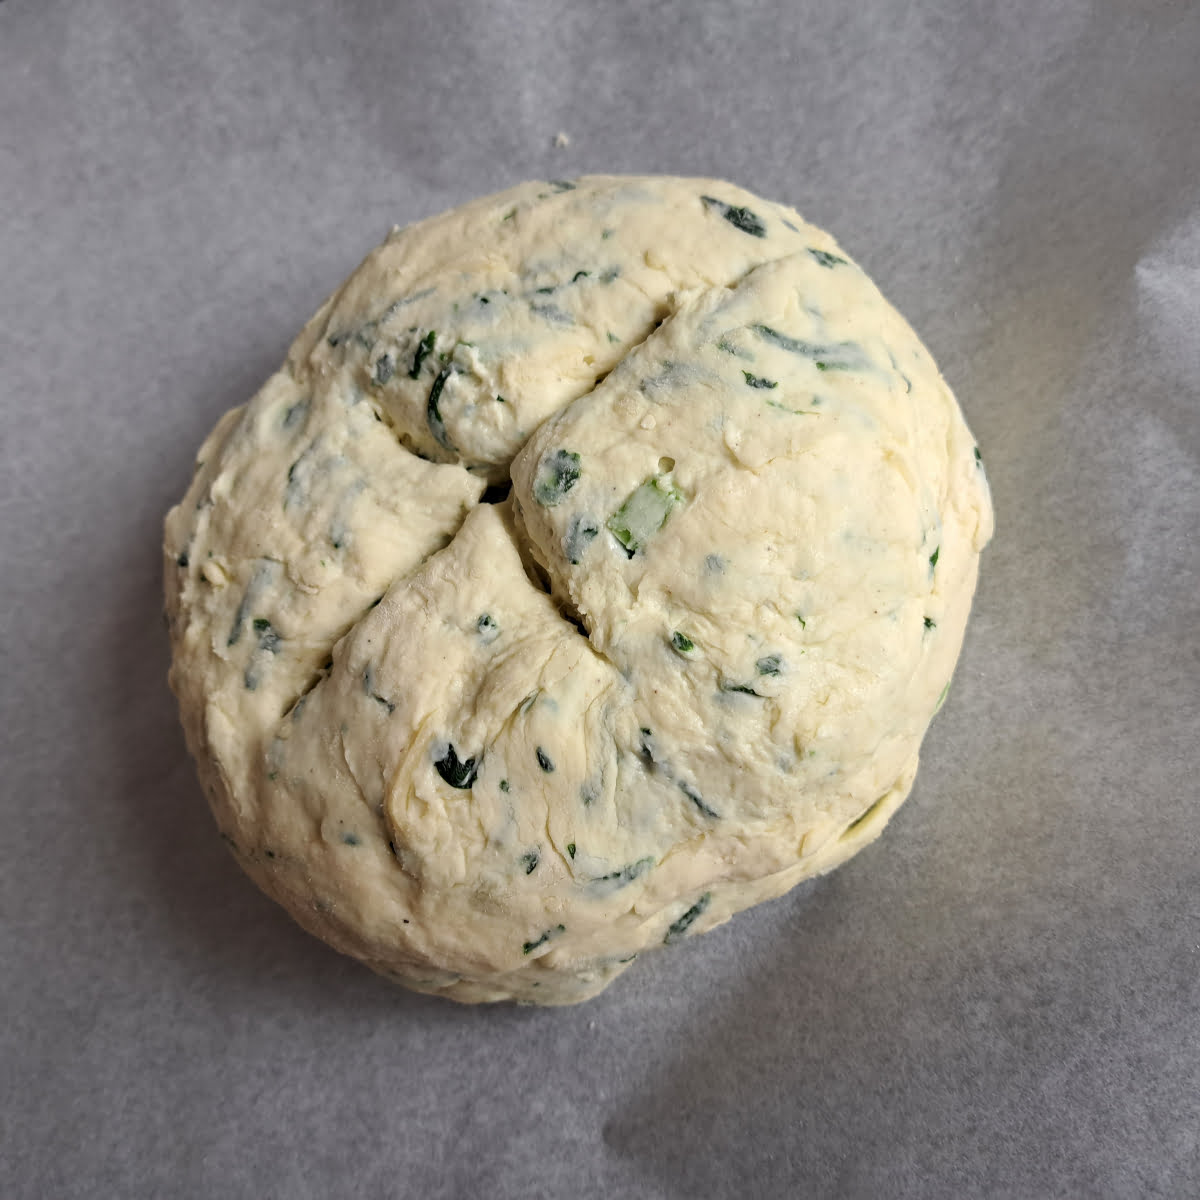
x: 999, y: 998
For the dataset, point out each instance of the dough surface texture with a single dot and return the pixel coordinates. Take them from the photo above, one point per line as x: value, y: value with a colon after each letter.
x: 496, y: 744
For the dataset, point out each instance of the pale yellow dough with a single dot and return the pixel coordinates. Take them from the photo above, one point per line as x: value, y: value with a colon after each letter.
x: 498, y: 747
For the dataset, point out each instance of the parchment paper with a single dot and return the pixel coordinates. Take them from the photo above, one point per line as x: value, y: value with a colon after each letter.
x: 1002, y: 996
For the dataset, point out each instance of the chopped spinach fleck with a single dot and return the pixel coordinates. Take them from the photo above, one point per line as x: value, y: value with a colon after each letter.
x: 557, y: 474
x: 500, y: 399
x: 182, y: 560
x: 504, y: 785
x: 257, y: 580
x: 433, y: 416
x: 771, y: 664
x: 644, y: 512
x: 741, y: 689
x: 487, y: 628
x: 562, y: 185
x: 579, y: 275
x: 933, y: 558
x: 589, y: 794
x: 697, y: 799
x: 626, y: 874
x: 796, y: 412
x: 740, y: 218
x: 930, y: 623
x: 579, y: 536
x: 612, y: 337
x: 826, y: 259
x: 942, y: 698
x: 457, y: 773
x: 837, y: 356
x: 680, y: 926
x: 757, y: 381
x: 681, y: 643
x: 424, y: 346
x: 351, y: 839
x: 571, y: 849
x: 803, y: 622
x: 544, y: 761
x: 541, y: 941
x: 978, y: 456
x: 529, y: 860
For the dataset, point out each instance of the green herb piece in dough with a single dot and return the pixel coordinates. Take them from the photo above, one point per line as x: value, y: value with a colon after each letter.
x: 837, y: 356
x: 527, y: 947
x: 741, y: 689
x: 579, y: 536
x: 679, y: 927
x: 433, y: 416
x: 424, y: 347
x: 757, y: 381
x: 826, y: 259
x: 557, y: 474
x: 457, y: 773
x: 626, y: 874
x: 740, y: 218
x: 698, y: 800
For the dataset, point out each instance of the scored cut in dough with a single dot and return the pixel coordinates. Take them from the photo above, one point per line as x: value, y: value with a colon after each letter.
x: 495, y: 745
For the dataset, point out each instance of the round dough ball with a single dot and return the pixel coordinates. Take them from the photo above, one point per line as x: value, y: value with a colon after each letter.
x: 496, y: 744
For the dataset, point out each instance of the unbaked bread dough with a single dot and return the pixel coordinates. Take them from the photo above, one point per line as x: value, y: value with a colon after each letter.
x: 497, y: 744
